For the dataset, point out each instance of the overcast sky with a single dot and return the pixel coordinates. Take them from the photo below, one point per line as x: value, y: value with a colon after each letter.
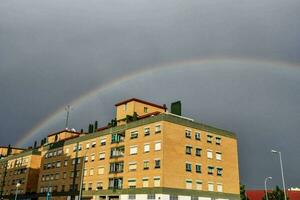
x: 53, y: 52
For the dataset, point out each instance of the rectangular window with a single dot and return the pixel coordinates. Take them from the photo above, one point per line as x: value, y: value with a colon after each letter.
x: 146, y: 131
x: 188, y: 133
x: 219, y: 188
x: 210, y: 170
x: 58, y: 164
x: 198, y: 185
x: 188, y: 167
x: 157, y: 129
x: 218, y: 141
x: 188, y: 184
x: 210, y: 187
x: 103, y: 142
x: 209, y: 138
x: 133, y: 150
x: 90, y: 186
x: 218, y: 156
x: 86, y: 158
x: 198, y: 168
x: 92, y: 157
x: 132, y: 167
x: 197, y: 136
x: 157, y: 164
x: 101, y: 156
x: 67, y: 150
x: 84, y: 172
x: 146, y: 164
x: 198, y: 151
x: 219, y: 171
x: 145, y: 182
x: 131, y: 196
x: 134, y: 134
x: 173, y: 197
x: 56, y: 176
x: 66, y: 163
x: 87, y: 146
x: 146, y: 148
x: 65, y: 175
x: 156, y: 181
x: 92, y: 172
x: 131, y: 183
x: 99, y: 186
x: 145, y: 109
x: 209, y: 154
x: 93, y: 144
x: 157, y: 146
x: 188, y: 150
x: 151, y: 196
x: 100, y: 170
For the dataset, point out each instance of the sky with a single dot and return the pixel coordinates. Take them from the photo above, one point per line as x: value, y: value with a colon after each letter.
x: 233, y: 64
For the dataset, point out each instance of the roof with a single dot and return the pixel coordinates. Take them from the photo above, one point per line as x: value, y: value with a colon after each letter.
x: 64, y: 131
x: 13, y: 147
x: 141, y: 101
x: 259, y: 194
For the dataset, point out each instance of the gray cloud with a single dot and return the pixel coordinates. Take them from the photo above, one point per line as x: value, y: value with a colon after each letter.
x: 52, y: 52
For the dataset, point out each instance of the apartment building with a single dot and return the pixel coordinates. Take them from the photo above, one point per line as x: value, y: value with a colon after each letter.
x: 22, y: 168
x: 146, y: 154
x: 6, y: 151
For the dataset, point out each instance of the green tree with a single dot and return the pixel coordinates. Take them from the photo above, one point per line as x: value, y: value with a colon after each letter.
x: 276, y: 194
x: 243, y: 192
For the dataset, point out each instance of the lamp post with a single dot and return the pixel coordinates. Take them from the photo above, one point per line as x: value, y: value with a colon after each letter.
x: 82, y: 174
x: 17, y: 186
x: 266, y: 190
x: 282, y: 176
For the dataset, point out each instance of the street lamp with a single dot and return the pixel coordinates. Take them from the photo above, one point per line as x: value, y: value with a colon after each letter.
x: 82, y: 174
x: 17, y: 186
x: 266, y: 191
x: 282, y: 176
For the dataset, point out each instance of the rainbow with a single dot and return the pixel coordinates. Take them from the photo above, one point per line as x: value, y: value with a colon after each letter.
x: 148, y: 69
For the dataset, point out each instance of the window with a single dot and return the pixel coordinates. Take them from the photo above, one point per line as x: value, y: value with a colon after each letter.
x: 210, y: 170
x: 65, y: 175
x: 131, y: 183
x: 59, y: 152
x: 99, y: 186
x: 210, y: 187
x: 157, y: 164
x: 209, y: 138
x: 56, y: 176
x: 218, y: 141
x: 87, y: 146
x: 146, y: 131
x: 133, y: 150
x: 58, y: 164
x: 101, y: 156
x: 156, y: 181
x: 80, y: 147
x: 131, y: 196
x: 198, y: 168
x: 117, y: 137
x: 188, y: 133
x: 219, y: 187
x: 100, y: 170
x: 92, y: 157
x: 92, y: 172
x: 198, y: 151
x: 188, y: 167
x: 90, y: 186
x: 145, y: 109
x: 67, y: 150
x: 93, y: 144
x: 146, y: 148
x: 146, y: 183
x: 188, y: 184
x: 194, y: 198
x: 209, y: 154
x: 151, y: 196
x: 146, y: 164
x: 84, y: 172
x: 197, y: 136
x: 218, y: 156
x: 157, y: 129
x: 198, y: 185
x: 157, y: 146
x: 132, y: 167
x: 134, y: 134
x: 86, y: 159
x: 117, y: 152
x: 103, y: 142
x: 219, y: 171
x: 83, y: 186
x: 66, y: 163
x: 173, y: 197
x: 188, y: 150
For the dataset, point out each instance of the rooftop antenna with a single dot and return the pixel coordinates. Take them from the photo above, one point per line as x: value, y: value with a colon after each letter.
x: 67, y: 109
